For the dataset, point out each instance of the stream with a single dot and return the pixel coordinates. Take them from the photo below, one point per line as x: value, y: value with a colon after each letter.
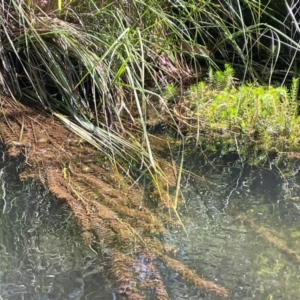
x: 42, y: 254
x: 222, y: 246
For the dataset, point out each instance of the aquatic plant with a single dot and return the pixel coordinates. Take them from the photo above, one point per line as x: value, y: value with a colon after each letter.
x: 113, y: 211
x: 254, y: 116
x: 268, y: 236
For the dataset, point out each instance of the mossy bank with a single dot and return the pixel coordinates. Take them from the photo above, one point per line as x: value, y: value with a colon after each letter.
x: 220, y: 114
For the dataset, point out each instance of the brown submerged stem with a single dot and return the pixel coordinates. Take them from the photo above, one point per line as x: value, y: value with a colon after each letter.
x: 264, y: 233
x: 108, y: 209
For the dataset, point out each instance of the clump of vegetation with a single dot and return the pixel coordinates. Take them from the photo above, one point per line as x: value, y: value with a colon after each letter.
x: 106, y: 70
x: 266, y: 117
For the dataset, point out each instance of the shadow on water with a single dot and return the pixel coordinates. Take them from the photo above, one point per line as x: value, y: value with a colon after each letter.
x: 244, y: 228
x: 42, y: 256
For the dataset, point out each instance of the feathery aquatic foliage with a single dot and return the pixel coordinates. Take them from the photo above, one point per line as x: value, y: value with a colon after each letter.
x: 245, y: 116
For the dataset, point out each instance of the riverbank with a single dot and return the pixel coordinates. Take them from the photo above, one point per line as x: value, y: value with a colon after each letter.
x: 96, y: 94
x: 116, y: 218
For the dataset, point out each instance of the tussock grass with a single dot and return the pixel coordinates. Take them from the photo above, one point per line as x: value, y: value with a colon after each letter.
x: 92, y: 61
x: 101, y: 67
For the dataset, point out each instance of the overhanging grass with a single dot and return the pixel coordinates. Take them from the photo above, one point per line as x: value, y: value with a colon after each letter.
x: 92, y: 64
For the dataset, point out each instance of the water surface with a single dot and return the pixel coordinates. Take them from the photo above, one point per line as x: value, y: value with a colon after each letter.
x: 42, y: 254
x: 224, y: 248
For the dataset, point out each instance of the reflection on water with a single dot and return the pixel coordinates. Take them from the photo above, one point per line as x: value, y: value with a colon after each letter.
x: 224, y: 248
x: 42, y: 256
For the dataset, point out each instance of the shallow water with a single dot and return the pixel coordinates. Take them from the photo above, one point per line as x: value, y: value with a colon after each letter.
x: 225, y: 248
x: 42, y: 255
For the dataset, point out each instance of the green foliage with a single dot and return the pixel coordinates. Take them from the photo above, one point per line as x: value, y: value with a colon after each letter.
x: 222, y: 79
x: 264, y: 115
x: 294, y: 89
x: 170, y: 91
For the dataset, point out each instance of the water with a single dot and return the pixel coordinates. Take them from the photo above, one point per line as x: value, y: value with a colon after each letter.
x: 42, y: 255
x: 225, y: 248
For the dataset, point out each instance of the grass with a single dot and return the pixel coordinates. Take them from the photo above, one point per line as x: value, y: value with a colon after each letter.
x: 107, y: 69
x: 104, y: 63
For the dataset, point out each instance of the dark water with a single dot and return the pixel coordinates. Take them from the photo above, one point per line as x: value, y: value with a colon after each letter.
x: 42, y: 255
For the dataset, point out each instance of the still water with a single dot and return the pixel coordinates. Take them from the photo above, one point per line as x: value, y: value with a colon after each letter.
x: 42, y: 255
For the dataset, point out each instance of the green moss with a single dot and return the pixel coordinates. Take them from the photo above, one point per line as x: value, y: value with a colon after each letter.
x: 265, y: 116
x: 170, y: 91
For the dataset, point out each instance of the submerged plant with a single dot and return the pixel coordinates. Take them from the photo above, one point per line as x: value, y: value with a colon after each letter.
x: 98, y: 69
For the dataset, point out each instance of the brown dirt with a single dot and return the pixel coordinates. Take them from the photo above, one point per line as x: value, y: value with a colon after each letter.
x: 111, y: 212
